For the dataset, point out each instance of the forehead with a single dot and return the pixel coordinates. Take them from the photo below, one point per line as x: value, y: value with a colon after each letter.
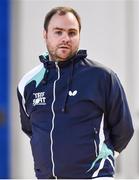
x: 66, y: 21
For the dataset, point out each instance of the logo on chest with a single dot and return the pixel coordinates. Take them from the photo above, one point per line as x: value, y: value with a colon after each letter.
x: 72, y: 93
x: 39, y: 99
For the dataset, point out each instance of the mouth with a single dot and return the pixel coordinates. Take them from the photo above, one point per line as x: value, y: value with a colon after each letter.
x: 64, y: 47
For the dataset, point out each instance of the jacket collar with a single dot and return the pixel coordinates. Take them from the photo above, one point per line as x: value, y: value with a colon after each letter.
x: 44, y: 58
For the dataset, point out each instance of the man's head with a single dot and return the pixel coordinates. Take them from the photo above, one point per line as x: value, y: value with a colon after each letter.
x: 62, y: 28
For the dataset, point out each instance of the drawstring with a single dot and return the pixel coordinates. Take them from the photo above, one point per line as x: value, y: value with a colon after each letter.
x: 69, y: 82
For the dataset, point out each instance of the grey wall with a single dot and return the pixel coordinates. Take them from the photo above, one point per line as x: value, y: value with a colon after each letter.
x: 109, y: 32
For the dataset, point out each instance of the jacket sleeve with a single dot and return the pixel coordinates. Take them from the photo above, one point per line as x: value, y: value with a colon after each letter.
x: 25, y: 121
x: 118, y: 115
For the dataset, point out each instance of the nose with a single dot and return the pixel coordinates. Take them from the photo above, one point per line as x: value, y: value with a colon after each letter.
x: 65, y: 37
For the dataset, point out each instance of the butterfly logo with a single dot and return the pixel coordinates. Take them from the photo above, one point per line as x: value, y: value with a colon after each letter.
x: 72, y: 93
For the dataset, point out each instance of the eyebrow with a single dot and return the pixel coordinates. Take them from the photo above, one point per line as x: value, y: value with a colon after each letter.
x: 61, y: 29
x: 57, y: 28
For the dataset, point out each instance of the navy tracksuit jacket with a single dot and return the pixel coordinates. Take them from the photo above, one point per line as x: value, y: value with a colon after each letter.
x: 76, y: 115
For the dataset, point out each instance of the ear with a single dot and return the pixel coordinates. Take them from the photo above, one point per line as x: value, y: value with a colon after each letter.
x: 44, y: 34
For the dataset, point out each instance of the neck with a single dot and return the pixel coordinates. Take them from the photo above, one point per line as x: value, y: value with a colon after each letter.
x: 61, y: 60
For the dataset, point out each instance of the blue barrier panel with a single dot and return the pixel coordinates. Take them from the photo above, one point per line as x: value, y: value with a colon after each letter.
x: 4, y: 88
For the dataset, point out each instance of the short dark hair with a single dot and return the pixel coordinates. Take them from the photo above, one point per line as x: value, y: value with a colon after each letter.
x: 61, y: 10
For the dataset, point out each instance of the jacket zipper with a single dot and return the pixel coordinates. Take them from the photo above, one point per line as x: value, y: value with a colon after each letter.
x: 95, y: 143
x: 53, y: 119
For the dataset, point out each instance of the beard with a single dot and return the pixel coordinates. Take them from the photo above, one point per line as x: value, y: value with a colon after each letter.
x: 61, y: 54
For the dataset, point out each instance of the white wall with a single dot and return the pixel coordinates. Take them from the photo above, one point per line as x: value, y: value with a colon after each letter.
x: 109, y: 32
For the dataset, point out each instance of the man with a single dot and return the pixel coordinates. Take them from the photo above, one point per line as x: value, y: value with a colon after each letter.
x: 73, y: 109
